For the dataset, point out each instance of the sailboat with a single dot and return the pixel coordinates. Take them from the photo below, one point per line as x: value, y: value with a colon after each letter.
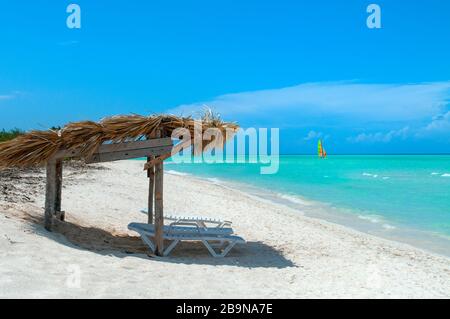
x: 321, y: 150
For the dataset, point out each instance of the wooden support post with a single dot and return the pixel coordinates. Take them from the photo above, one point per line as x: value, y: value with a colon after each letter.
x: 159, y: 209
x: 59, y: 176
x: 50, y: 194
x: 151, y: 190
x: 159, y: 205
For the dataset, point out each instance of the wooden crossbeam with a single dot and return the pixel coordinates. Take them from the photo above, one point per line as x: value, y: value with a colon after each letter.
x: 123, y: 155
x: 134, y: 145
x: 125, y: 150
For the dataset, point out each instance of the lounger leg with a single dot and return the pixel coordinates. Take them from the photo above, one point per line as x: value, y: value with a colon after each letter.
x: 210, y: 249
x: 228, y: 248
x: 224, y: 252
x: 171, y: 247
x: 148, y: 241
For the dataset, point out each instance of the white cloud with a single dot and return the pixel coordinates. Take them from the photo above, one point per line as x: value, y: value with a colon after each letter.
x: 381, y: 112
x: 380, y: 137
x: 341, y: 100
x: 313, y: 135
x: 8, y: 96
x: 439, y: 124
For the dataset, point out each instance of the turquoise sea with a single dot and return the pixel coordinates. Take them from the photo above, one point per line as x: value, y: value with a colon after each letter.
x: 402, y: 197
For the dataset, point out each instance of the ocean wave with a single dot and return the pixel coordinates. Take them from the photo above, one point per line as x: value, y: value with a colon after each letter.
x: 388, y: 227
x: 446, y: 175
x: 214, y: 180
x: 434, y: 173
x: 371, y: 218
x: 172, y: 172
x: 370, y: 175
x: 293, y: 199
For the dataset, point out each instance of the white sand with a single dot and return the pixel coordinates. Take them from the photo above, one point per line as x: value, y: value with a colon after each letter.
x: 287, y: 254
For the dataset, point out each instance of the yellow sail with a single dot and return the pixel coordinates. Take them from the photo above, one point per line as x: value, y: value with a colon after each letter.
x: 320, y: 149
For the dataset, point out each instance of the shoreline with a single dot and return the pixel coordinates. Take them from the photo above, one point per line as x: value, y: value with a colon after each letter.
x: 373, y: 225
x: 287, y: 255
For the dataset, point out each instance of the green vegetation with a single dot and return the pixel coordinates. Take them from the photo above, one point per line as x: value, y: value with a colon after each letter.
x: 9, y: 135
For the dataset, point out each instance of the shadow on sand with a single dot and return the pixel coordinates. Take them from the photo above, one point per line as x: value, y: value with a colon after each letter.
x: 105, y: 242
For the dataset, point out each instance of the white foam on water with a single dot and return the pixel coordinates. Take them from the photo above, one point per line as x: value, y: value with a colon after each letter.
x: 214, y: 180
x: 434, y: 173
x: 386, y: 177
x: 172, y: 172
x: 388, y: 227
x: 294, y: 199
x: 370, y: 175
x: 445, y: 175
x: 371, y: 218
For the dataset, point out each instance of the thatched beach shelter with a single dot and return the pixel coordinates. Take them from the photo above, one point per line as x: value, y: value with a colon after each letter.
x: 111, y: 139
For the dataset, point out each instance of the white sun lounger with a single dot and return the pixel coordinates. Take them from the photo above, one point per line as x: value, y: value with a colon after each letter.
x: 200, y: 221
x: 188, y: 228
x: 147, y: 232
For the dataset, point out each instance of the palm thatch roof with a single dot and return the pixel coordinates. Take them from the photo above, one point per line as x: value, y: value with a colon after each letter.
x: 36, y: 147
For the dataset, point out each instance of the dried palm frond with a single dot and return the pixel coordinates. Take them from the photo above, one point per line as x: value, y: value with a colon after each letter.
x: 37, y: 147
x: 86, y: 136
x: 29, y: 149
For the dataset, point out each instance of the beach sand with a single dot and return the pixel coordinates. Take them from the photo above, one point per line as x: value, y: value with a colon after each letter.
x: 288, y: 255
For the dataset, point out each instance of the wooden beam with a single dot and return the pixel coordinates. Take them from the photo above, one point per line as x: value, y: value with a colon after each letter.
x: 151, y: 190
x: 123, y: 155
x: 58, y: 181
x: 50, y: 194
x: 118, y: 147
x: 134, y: 145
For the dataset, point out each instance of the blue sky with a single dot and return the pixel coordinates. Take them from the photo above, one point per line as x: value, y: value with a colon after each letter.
x: 311, y: 68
